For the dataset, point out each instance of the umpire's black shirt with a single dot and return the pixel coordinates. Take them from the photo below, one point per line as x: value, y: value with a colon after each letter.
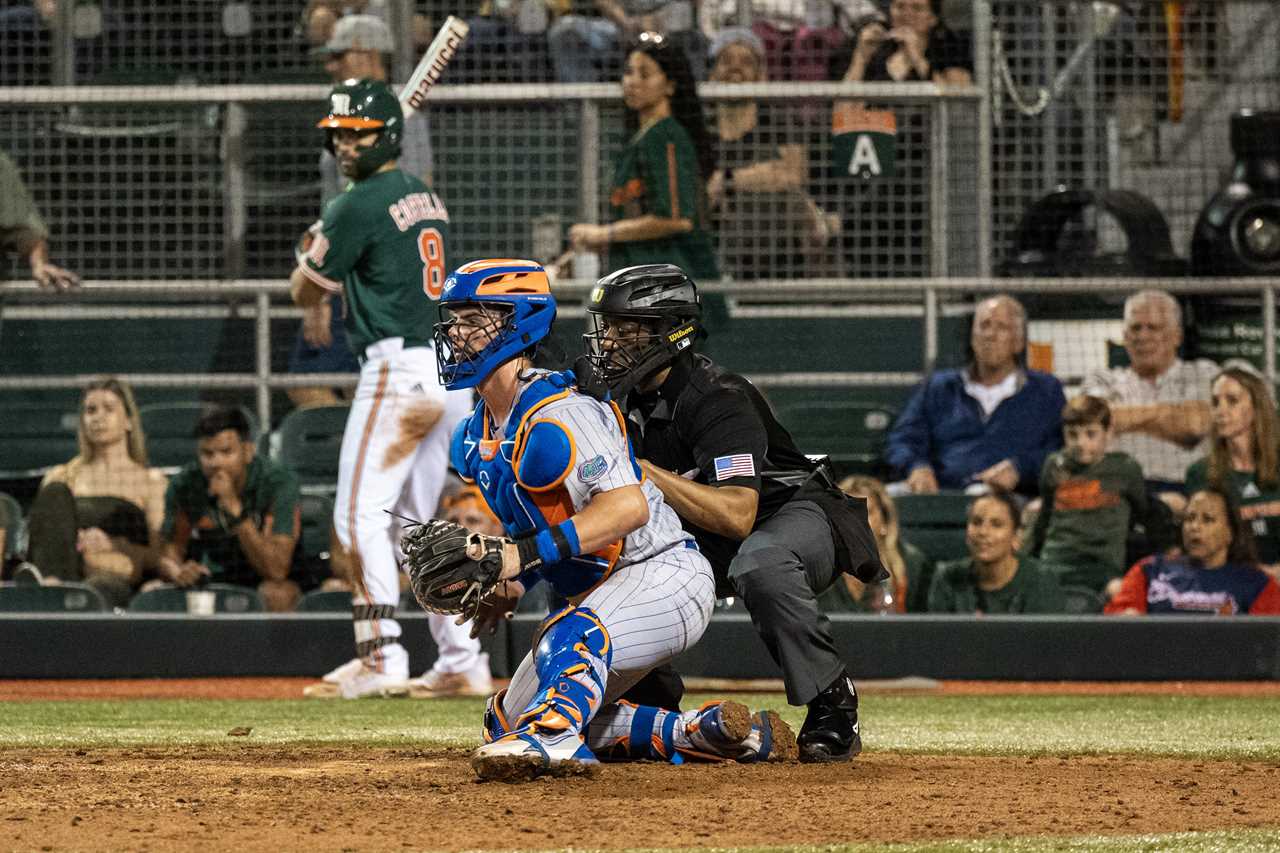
x: 715, y: 428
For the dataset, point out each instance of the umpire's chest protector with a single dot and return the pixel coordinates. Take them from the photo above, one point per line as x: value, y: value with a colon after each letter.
x: 522, y: 471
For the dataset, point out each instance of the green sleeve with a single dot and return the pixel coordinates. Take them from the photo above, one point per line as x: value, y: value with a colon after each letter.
x: 342, y: 239
x: 172, y: 508
x: 283, y: 500
x: 1197, y: 475
x: 17, y: 210
x: 671, y: 174
x: 942, y: 598
x: 1041, y: 528
x: 1045, y: 593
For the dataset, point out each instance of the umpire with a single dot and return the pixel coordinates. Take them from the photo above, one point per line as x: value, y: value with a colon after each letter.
x: 774, y: 526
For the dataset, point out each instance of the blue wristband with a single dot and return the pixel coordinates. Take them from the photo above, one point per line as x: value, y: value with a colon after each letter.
x: 558, y: 543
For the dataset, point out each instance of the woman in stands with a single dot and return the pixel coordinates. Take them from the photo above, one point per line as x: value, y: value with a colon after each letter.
x: 96, y: 517
x: 1244, y: 460
x: 908, y: 588
x: 994, y: 579
x: 1217, y: 574
x: 658, y: 197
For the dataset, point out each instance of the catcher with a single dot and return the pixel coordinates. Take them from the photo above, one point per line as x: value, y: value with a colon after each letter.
x: 556, y: 468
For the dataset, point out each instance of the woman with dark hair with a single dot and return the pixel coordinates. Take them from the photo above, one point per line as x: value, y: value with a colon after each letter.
x: 658, y: 197
x: 1218, y: 573
x: 1244, y: 459
x: 994, y: 578
x: 916, y: 46
x: 96, y: 518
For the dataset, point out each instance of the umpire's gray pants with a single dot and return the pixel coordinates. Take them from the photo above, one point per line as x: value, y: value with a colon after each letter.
x: 779, y: 571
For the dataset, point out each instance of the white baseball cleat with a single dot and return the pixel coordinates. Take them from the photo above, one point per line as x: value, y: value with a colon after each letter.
x: 526, y: 754
x: 359, y: 682
x: 434, y: 684
x: 728, y: 730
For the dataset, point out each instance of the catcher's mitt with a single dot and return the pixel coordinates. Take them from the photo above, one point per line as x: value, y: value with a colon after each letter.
x: 444, y: 578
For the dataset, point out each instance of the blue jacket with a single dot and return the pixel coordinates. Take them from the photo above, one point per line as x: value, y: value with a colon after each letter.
x: 942, y: 427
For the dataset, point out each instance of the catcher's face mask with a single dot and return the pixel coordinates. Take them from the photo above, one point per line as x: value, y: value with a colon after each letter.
x: 466, y: 337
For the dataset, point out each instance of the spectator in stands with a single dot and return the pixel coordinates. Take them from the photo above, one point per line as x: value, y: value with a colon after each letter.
x: 360, y: 48
x: 96, y: 518
x: 1159, y: 403
x: 23, y: 231
x: 989, y: 424
x: 1243, y: 459
x: 658, y: 197
x: 910, y: 570
x: 585, y: 49
x: 507, y: 44
x: 319, y: 18
x: 767, y: 225
x: 1218, y: 573
x: 915, y: 46
x: 994, y: 579
x: 1090, y: 498
x: 232, y: 516
x: 797, y: 37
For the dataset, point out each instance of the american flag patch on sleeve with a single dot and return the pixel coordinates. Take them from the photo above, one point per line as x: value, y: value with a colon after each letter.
x: 737, y: 465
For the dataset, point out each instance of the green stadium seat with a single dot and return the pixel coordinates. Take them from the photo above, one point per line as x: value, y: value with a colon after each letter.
x: 11, y: 523
x: 935, y: 524
x: 229, y: 599
x: 62, y: 598
x: 310, y: 442
x: 325, y: 601
x: 317, y: 521
x: 851, y: 432
x: 170, y: 431
x: 34, y: 437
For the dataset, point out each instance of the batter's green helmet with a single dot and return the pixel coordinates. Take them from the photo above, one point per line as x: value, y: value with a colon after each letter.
x: 366, y: 105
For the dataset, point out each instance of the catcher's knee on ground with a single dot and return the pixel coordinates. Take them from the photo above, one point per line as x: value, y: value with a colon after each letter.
x: 572, y: 661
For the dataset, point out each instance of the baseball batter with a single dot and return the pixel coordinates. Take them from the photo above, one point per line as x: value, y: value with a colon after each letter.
x: 382, y: 245
x: 557, y: 469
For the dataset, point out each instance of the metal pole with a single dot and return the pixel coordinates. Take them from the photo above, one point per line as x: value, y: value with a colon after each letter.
x: 930, y: 329
x: 589, y: 195
x: 234, y: 204
x: 400, y: 21
x: 1049, y: 119
x: 63, y: 70
x: 1089, y: 101
x: 1269, y: 335
x: 986, y: 83
x: 262, y: 372
x: 939, y: 188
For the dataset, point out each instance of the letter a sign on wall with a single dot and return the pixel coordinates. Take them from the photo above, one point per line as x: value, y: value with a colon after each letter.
x: 864, y: 142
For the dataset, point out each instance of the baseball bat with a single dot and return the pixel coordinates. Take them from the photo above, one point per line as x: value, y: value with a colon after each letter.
x: 442, y: 49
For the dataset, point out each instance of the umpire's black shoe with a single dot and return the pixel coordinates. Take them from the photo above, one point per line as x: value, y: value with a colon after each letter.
x: 830, y: 731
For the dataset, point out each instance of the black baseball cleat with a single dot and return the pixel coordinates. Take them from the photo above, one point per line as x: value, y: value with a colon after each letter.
x: 830, y: 731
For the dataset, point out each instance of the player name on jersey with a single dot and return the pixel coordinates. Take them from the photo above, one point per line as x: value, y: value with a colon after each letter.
x: 416, y: 207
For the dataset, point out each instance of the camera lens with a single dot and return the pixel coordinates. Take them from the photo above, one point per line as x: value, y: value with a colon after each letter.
x: 1261, y: 233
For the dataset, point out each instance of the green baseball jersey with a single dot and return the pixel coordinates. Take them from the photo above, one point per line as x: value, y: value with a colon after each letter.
x: 1258, y: 506
x: 1032, y: 589
x: 1086, y: 514
x: 194, y: 521
x: 657, y: 174
x: 382, y: 244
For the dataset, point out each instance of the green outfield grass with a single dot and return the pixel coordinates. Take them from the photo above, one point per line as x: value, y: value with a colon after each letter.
x: 1185, y: 726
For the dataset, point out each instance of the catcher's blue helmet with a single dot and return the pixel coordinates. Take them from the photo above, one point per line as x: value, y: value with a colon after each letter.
x: 514, y: 309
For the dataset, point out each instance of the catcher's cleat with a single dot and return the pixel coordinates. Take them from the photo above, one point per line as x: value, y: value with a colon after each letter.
x: 830, y: 730
x: 728, y: 730
x: 526, y: 754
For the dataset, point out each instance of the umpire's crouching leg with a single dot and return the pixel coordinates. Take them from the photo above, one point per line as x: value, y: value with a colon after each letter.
x: 779, y: 570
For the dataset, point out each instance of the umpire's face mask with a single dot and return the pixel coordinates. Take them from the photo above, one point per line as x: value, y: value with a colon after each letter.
x: 623, y: 350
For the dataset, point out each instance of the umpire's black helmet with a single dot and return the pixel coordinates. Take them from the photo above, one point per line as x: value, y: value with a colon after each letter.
x: 639, y: 319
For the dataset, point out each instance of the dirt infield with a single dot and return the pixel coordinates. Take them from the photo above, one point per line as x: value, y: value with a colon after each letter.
x: 244, y: 797
x: 377, y: 799
x: 291, y: 688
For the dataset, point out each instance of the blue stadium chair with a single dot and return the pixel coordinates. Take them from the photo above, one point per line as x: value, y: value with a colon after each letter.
x: 170, y: 431
x: 310, y: 442
x: 229, y: 599
x: 63, y: 598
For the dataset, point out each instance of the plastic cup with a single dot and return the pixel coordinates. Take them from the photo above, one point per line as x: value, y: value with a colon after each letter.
x: 201, y: 602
